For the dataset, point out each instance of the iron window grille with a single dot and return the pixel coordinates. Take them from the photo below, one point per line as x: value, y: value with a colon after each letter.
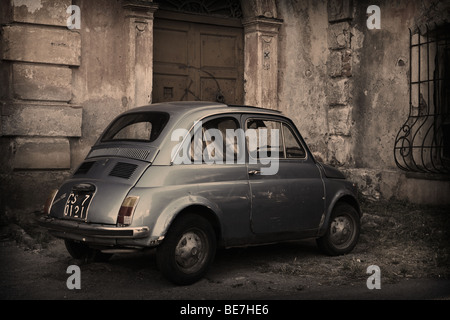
x: 423, y: 142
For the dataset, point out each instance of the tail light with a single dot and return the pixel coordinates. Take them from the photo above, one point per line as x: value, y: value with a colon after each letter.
x: 126, y: 210
x: 49, y: 202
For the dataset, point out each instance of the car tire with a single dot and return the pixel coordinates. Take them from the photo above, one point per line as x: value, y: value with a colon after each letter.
x: 81, y: 251
x: 342, y: 232
x: 188, y: 250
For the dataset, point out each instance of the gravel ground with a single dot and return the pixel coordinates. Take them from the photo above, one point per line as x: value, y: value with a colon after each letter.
x: 410, y: 244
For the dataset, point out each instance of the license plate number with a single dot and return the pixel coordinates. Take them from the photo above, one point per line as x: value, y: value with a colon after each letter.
x: 77, y: 205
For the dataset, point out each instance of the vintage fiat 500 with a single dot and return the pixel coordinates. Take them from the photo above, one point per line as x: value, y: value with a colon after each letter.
x: 187, y: 177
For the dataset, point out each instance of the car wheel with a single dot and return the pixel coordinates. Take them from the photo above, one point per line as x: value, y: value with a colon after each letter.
x: 81, y: 251
x: 342, y: 232
x: 187, y: 250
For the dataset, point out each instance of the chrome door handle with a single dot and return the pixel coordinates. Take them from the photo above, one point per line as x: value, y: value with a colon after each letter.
x: 253, y: 172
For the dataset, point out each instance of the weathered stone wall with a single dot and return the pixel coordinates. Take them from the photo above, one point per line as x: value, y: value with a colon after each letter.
x: 303, y: 69
x: 381, y: 93
x: 100, y: 83
x: 316, y: 76
x: 346, y: 87
x: 38, y: 56
x: 60, y: 87
x: 380, y: 102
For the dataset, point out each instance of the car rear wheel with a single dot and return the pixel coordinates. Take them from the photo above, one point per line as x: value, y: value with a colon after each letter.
x: 81, y: 251
x: 188, y: 250
x: 343, y: 231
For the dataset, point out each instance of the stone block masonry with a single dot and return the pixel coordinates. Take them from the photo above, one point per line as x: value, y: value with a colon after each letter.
x: 339, y: 70
x: 41, y: 44
x: 42, y: 82
x: 29, y: 155
x: 38, y: 54
x: 38, y: 121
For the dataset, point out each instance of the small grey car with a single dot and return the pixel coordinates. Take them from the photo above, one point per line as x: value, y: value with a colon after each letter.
x: 188, y: 177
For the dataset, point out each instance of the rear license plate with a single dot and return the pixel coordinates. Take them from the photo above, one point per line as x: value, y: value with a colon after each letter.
x: 77, y: 204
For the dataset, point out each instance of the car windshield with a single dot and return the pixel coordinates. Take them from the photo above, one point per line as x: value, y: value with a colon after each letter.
x: 144, y: 126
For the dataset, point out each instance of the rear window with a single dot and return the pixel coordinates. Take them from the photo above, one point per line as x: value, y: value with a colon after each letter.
x: 145, y: 126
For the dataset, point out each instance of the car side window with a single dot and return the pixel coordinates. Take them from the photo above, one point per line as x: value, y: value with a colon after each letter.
x: 294, y: 149
x: 213, y: 145
x: 263, y: 138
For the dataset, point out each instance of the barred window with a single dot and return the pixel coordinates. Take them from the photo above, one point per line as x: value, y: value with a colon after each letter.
x: 423, y: 142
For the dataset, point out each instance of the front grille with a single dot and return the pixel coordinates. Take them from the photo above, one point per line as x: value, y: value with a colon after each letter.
x: 84, y: 168
x: 123, y: 170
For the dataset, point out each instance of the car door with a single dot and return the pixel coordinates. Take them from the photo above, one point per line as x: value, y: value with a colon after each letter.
x: 219, y: 175
x: 290, y: 196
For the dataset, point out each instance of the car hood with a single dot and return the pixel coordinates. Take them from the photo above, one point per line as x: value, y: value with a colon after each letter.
x: 111, y: 178
x: 331, y: 172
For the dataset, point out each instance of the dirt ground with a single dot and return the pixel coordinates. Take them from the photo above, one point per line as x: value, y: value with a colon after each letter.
x: 410, y: 244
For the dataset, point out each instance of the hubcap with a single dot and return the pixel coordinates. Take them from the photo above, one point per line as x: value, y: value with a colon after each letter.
x: 191, y: 251
x: 342, y: 231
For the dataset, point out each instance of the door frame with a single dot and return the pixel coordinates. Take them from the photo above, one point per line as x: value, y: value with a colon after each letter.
x: 195, y: 69
x: 261, y: 29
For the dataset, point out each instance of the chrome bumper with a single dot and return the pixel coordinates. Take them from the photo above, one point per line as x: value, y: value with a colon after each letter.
x: 82, y: 229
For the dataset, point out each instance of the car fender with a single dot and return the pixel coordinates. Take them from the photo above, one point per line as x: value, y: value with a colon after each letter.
x: 174, y: 208
x: 343, y: 195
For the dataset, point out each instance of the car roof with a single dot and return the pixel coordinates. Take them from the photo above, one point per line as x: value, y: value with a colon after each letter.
x: 183, y: 108
x: 182, y: 115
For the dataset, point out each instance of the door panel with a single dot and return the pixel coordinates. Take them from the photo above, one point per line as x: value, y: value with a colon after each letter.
x: 195, y: 61
x: 227, y: 89
x: 290, y: 198
x: 289, y: 201
x: 170, y: 86
x: 219, y: 51
x: 165, y: 53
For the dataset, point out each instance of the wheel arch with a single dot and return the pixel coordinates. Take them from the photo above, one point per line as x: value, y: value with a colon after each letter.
x: 346, y: 198
x: 203, y: 211
x: 351, y: 200
x: 184, y: 206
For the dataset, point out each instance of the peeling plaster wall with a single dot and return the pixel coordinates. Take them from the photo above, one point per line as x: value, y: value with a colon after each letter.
x: 380, y: 77
x: 347, y: 88
x: 380, y: 95
x: 99, y: 84
x: 61, y: 88
x: 303, y: 70
x: 38, y: 55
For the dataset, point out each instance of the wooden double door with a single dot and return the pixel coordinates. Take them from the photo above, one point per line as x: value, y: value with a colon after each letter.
x: 197, y: 61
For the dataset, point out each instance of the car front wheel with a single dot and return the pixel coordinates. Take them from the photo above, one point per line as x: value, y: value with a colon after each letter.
x: 343, y: 231
x: 187, y: 250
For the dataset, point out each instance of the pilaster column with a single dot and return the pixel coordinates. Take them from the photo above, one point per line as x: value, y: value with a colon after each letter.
x: 261, y: 62
x: 139, y: 35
